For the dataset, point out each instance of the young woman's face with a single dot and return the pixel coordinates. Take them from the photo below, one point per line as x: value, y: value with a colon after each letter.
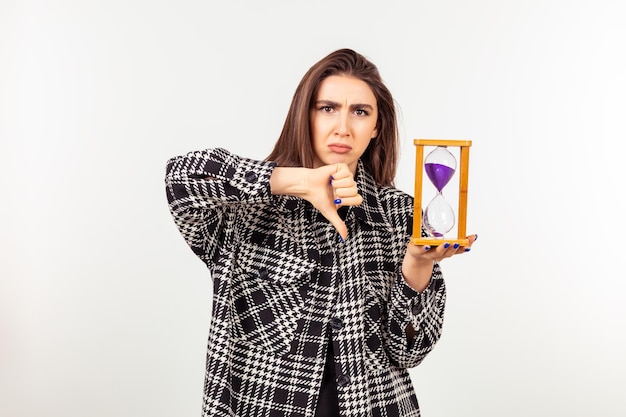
x: 343, y: 120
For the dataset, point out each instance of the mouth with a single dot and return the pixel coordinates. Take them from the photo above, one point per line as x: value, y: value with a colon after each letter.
x: 339, y: 148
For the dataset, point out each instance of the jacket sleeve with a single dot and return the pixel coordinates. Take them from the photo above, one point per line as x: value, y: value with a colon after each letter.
x: 204, y: 189
x: 406, y: 307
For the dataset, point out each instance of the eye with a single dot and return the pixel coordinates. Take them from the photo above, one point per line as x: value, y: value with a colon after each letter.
x: 361, y: 112
x: 326, y: 109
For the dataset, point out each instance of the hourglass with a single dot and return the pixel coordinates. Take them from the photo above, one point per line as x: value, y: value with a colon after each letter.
x: 438, y: 217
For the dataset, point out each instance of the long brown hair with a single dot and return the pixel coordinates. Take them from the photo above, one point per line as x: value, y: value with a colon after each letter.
x: 293, y: 147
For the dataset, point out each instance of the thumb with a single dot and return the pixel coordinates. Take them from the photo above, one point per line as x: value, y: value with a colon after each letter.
x: 338, y: 224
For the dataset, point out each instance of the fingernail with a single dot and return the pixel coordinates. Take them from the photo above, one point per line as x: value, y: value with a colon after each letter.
x: 426, y: 247
x: 331, y: 180
x: 475, y: 237
x: 446, y: 245
x: 341, y: 239
x: 467, y: 249
x: 456, y: 246
x: 338, y: 201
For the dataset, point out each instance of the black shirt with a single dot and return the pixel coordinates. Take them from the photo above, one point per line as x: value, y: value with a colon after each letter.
x: 328, y: 402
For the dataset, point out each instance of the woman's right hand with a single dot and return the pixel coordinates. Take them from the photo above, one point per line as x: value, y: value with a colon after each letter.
x: 327, y: 188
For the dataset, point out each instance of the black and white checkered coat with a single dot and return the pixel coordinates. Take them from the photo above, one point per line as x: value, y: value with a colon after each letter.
x: 283, y: 281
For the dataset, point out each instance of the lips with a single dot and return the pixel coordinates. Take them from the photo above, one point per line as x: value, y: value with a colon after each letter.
x: 339, y: 148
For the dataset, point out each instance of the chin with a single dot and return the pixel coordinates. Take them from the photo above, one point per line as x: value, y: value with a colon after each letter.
x: 336, y: 158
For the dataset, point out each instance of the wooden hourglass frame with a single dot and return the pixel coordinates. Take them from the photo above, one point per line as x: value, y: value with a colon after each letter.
x: 461, y: 214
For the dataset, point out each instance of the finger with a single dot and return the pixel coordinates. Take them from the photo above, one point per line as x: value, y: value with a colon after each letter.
x: 337, y: 223
x: 420, y: 250
x: 445, y: 250
x: 349, y: 201
x: 343, y: 182
x: 341, y: 171
x: 345, y: 187
x: 346, y: 192
x: 471, y: 239
x: 458, y: 249
x: 442, y: 251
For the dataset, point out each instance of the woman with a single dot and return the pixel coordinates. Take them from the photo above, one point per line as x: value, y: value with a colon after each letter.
x: 320, y: 303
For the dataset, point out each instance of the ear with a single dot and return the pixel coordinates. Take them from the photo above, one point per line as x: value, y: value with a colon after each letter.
x: 375, y: 132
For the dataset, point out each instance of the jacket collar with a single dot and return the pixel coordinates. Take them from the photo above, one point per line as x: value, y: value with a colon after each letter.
x: 370, y: 210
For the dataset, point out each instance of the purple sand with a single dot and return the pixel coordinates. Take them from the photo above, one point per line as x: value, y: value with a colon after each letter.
x: 439, y: 174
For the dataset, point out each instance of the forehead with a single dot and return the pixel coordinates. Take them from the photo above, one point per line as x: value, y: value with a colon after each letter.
x: 343, y: 88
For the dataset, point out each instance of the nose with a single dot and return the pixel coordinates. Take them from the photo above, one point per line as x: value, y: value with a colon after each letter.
x: 343, y: 125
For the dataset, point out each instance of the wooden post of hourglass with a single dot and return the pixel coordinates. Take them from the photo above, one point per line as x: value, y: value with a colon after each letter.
x: 461, y: 239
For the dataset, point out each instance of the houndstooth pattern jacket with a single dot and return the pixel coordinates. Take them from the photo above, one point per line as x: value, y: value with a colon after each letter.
x: 283, y: 282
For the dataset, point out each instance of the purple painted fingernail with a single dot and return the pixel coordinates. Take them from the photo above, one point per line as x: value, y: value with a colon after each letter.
x: 426, y: 247
x: 331, y: 180
x: 467, y: 249
x: 338, y: 201
x: 341, y: 239
x: 446, y: 245
x: 456, y: 246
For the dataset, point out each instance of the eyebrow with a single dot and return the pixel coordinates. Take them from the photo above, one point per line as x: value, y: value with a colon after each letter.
x: 335, y: 104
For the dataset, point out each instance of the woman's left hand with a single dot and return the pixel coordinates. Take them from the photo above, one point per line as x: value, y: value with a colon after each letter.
x: 417, y: 266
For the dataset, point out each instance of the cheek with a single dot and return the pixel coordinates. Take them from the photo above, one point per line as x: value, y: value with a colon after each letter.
x: 373, y: 130
x: 319, y: 133
x: 365, y: 145
x: 315, y: 128
x: 315, y: 137
x: 367, y: 132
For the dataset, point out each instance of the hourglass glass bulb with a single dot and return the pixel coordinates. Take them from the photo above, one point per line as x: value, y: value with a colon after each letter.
x: 439, y: 217
x: 440, y: 165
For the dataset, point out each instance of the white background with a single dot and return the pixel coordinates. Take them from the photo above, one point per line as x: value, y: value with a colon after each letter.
x: 104, y: 311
